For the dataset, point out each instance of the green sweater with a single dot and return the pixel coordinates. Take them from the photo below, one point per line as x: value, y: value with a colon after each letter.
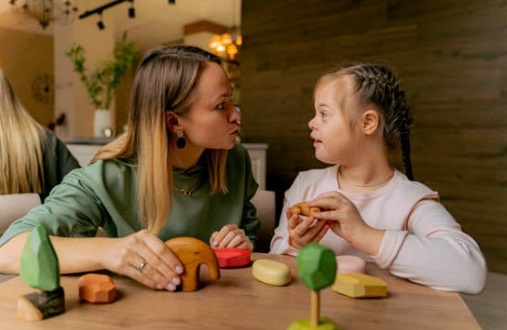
x: 103, y: 195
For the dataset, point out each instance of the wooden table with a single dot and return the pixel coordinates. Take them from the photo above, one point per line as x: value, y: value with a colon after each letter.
x: 238, y: 301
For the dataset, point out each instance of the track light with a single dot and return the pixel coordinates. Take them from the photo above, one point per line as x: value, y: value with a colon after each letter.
x: 132, y: 12
x: 100, y: 23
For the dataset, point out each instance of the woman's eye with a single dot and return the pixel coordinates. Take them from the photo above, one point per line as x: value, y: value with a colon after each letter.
x: 222, y: 106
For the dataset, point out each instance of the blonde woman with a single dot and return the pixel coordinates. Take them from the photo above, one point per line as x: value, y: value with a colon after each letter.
x: 32, y: 158
x: 176, y: 172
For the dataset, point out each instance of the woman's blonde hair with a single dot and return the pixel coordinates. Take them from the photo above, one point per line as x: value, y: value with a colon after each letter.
x: 21, y: 144
x: 166, y: 80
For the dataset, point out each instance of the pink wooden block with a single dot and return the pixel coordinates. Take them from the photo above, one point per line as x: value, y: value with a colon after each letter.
x: 351, y: 264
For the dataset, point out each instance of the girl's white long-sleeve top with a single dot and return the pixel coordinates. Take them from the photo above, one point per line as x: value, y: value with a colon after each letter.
x: 422, y: 241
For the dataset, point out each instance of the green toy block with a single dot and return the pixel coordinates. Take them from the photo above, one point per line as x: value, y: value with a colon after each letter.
x: 39, y: 264
x: 316, y: 266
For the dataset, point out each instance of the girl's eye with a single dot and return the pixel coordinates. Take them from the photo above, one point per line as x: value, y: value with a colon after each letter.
x: 222, y: 106
x: 323, y: 114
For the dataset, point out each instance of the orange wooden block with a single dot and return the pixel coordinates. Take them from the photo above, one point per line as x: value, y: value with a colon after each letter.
x: 193, y: 253
x: 304, y: 209
x: 97, y: 288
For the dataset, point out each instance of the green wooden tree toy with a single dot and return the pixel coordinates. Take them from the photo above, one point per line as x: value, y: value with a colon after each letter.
x: 317, y: 270
x: 39, y: 269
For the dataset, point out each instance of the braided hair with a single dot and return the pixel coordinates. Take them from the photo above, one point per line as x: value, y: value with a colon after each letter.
x: 376, y: 85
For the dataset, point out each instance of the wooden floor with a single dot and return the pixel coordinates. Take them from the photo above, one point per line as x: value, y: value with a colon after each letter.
x: 490, y: 307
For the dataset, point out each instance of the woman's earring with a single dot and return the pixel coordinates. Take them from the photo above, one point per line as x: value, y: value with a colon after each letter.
x: 180, y: 141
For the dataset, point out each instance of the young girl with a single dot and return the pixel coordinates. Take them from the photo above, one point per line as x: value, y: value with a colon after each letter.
x: 368, y: 208
x: 176, y: 172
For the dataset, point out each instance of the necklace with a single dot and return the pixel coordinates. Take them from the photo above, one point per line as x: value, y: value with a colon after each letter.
x: 189, y: 191
x: 366, y: 185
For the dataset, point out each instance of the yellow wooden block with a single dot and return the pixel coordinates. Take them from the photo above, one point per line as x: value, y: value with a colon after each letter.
x: 271, y: 272
x: 357, y: 285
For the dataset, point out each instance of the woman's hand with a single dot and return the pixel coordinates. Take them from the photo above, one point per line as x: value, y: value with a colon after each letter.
x: 342, y: 216
x: 303, y: 231
x: 145, y: 258
x: 230, y: 236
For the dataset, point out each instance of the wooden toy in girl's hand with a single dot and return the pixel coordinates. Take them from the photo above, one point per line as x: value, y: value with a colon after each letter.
x: 97, y: 288
x: 360, y: 286
x: 271, y: 272
x: 304, y: 209
x: 232, y: 257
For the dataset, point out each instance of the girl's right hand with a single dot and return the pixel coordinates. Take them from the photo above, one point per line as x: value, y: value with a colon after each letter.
x: 303, y: 231
x: 145, y: 258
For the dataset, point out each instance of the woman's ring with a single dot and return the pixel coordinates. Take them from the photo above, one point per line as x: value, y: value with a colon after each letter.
x: 142, y: 265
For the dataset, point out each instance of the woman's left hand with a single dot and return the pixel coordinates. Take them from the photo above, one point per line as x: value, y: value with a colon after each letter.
x: 230, y: 236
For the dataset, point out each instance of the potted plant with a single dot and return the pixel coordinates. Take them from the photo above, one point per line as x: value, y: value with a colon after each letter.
x: 102, y: 82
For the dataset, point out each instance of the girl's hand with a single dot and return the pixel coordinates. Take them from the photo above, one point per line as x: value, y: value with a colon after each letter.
x: 303, y: 231
x: 145, y: 258
x: 230, y: 236
x: 342, y: 216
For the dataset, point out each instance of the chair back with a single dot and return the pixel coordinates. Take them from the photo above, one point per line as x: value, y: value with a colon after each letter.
x: 15, y: 206
x: 264, y: 202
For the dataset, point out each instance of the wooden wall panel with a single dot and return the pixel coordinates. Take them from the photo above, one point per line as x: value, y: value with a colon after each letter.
x: 451, y: 58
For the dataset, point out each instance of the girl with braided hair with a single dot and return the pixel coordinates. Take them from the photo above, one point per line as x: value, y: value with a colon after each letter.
x: 367, y: 208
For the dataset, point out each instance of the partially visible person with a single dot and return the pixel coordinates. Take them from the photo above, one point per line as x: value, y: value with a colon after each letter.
x: 32, y: 158
x: 367, y: 207
x: 177, y: 171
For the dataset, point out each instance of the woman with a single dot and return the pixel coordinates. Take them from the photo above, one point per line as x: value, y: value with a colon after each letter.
x: 32, y: 158
x: 177, y: 171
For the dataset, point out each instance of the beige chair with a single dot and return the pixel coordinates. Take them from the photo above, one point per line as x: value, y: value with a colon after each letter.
x: 264, y: 201
x: 13, y: 207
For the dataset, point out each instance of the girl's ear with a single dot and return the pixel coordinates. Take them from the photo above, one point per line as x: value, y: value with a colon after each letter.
x: 171, y: 121
x: 370, y: 121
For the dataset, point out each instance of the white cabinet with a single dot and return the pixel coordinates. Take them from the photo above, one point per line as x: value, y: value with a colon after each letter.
x: 257, y: 151
x: 83, y: 152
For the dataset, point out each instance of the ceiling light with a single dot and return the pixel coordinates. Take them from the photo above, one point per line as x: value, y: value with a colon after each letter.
x: 45, y: 12
x: 227, y: 45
